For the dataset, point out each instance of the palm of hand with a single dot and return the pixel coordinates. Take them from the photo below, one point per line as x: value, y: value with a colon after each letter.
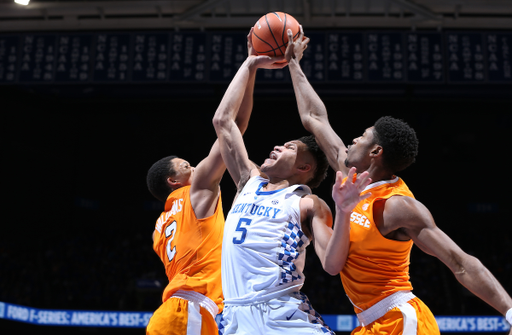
x: 348, y: 194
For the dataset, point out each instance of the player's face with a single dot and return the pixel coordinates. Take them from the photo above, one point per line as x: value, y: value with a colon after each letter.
x: 358, y: 153
x: 184, y: 172
x: 282, y: 159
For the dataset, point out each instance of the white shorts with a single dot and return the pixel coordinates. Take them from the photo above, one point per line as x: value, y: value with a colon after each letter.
x: 289, y: 314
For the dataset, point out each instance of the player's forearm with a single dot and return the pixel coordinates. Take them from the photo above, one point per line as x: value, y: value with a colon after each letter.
x: 244, y: 113
x: 230, y: 137
x: 234, y: 95
x: 311, y: 108
x: 479, y: 280
x: 337, y: 249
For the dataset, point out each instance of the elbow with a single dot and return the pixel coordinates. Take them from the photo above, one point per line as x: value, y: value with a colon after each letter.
x: 219, y: 122
x: 312, y: 121
x: 307, y: 123
x: 332, y: 269
x: 467, y: 264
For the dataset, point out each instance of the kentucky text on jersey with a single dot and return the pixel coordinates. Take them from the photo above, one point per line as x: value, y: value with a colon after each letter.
x: 252, y: 209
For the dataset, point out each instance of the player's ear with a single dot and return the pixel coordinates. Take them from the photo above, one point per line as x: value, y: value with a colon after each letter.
x: 173, y: 184
x: 305, y: 167
x: 376, y: 150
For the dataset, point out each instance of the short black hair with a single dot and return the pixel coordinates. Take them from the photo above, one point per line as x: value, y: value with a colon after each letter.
x: 322, y: 165
x: 156, y: 178
x: 399, y: 142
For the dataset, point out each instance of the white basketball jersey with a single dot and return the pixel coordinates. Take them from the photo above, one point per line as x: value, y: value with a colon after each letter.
x: 262, y: 240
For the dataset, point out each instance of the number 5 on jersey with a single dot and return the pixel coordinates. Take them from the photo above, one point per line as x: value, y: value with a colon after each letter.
x: 241, y: 229
x: 171, y: 230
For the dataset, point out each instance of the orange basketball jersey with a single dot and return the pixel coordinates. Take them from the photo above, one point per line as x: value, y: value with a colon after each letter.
x: 376, y: 266
x: 190, y: 248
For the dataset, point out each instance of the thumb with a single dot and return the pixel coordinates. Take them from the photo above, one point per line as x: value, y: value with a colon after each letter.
x: 290, y: 36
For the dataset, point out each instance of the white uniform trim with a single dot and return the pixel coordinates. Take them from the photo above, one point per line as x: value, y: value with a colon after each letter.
x: 194, y: 319
x: 385, y: 305
x: 508, y: 316
x: 410, y: 319
x: 199, y: 300
x: 379, y: 183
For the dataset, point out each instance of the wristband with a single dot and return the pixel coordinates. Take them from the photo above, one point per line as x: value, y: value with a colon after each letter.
x: 508, y: 316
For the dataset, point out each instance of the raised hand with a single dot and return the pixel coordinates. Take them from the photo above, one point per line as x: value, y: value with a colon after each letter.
x: 295, y: 49
x: 263, y: 62
x: 250, y: 48
x: 347, y: 194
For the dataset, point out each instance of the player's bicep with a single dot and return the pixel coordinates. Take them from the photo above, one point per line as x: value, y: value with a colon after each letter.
x: 321, y: 225
x: 435, y: 242
x: 210, y: 170
x: 428, y: 237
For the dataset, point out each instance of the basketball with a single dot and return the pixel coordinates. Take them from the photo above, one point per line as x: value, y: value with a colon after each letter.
x: 270, y: 36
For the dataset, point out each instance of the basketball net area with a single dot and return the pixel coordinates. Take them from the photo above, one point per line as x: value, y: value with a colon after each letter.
x: 123, y: 319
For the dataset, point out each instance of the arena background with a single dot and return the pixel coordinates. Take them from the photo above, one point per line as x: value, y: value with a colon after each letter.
x: 77, y: 221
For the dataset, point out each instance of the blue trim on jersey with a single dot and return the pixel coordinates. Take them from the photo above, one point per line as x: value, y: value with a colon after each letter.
x: 307, y: 308
x: 292, y: 244
x: 258, y: 192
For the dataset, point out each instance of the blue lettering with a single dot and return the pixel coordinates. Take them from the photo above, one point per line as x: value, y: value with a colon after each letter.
x: 267, y: 211
x: 244, y: 208
x: 235, y: 209
x: 253, y: 209
x: 261, y: 210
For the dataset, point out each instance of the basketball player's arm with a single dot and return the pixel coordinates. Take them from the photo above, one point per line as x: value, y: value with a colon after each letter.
x: 208, y: 174
x: 320, y: 218
x: 232, y: 146
x: 312, y: 111
x: 418, y: 224
x: 346, y: 195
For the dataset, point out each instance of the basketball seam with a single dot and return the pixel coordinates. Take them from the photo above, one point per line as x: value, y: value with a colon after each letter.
x: 282, y: 36
x: 270, y: 45
x: 271, y: 32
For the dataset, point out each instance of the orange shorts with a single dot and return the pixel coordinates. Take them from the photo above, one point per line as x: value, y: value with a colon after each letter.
x: 417, y: 320
x: 181, y: 317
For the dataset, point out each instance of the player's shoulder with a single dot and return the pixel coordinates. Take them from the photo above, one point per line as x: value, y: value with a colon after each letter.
x: 404, y: 210
x: 401, y: 203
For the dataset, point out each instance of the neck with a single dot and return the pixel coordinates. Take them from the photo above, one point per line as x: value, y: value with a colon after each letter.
x: 274, y: 184
x: 379, y: 174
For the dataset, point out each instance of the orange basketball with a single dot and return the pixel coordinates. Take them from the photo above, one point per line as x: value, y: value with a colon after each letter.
x: 270, y: 36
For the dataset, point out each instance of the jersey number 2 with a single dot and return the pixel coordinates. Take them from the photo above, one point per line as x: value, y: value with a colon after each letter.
x: 171, y: 230
x: 241, y: 229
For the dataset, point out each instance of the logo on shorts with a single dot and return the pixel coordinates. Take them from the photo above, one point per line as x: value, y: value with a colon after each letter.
x: 289, y: 317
